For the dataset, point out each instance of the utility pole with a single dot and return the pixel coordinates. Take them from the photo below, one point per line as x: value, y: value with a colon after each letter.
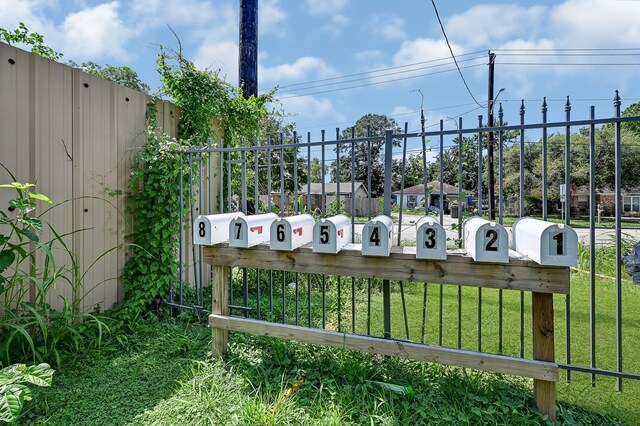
x: 248, y: 55
x: 490, y: 169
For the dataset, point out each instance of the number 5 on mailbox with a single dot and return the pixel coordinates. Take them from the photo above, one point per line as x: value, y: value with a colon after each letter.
x: 330, y: 235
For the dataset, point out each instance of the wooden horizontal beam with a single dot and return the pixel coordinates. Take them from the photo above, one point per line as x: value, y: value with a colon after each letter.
x: 541, y: 370
x: 402, y: 265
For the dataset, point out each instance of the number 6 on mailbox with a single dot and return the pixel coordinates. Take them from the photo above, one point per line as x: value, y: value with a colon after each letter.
x: 289, y: 233
x: 332, y: 234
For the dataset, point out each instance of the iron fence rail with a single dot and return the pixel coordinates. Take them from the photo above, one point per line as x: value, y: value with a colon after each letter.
x: 299, y: 294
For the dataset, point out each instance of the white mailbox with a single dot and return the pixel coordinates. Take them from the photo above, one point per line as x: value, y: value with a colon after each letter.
x: 213, y: 229
x: 431, y: 239
x: 289, y: 233
x: 377, y: 236
x: 544, y: 242
x: 249, y: 231
x: 330, y: 235
x: 485, y: 241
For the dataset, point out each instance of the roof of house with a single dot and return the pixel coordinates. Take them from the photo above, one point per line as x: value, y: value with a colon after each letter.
x: 332, y: 188
x: 419, y: 189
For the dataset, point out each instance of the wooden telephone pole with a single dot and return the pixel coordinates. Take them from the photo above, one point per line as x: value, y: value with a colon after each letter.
x: 248, y: 55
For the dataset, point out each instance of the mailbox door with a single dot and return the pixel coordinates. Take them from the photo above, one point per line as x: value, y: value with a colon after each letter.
x: 492, y: 244
x: 324, y: 237
x: 281, y: 238
x: 431, y: 242
x: 202, y: 231
x: 238, y: 233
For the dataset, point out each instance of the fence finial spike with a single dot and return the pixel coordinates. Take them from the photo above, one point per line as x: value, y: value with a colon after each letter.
x: 567, y: 106
x: 522, y: 107
x: 500, y: 111
x: 617, y: 99
x: 544, y: 104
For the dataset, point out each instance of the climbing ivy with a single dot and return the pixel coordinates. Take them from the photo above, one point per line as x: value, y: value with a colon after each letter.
x: 209, y: 108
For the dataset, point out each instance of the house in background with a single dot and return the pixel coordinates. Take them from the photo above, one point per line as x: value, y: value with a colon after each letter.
x: 605, y: 201
x: 313, y: 192
x: 413, y: 196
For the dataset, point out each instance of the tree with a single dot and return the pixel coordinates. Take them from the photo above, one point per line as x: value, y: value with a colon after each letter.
x: 124, y: 76
x: 413, y: 172
x: 316, y: 170
x: 368, y: 125
x: 580, y: 164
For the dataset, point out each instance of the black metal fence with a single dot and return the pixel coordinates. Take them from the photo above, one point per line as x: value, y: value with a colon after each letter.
x: 289, y: 175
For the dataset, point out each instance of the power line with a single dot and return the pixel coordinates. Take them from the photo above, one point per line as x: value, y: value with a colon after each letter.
x: 374, y: 84
x: 372, y: 71
x: 571, y: 63
x: 374, y: 76
x: 586, y: 49
x: 452, y: 55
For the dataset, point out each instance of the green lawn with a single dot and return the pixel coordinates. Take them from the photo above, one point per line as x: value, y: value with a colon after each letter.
x: 163, y: 374
x: 164, y: 377
x: 579, y: 391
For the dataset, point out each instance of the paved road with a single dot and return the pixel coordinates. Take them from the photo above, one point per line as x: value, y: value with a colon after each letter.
x: 603, y: 235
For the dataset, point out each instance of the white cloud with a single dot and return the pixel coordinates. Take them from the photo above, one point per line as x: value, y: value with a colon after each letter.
x: 424, y: 49
x: 325, y: 7
x: 305, y: 68
x: 336, y: 24
x: 520, y: 79
x: 310, y: 105
x: 177, y: 13
x: 368, y: 55
x: 389, y: 27
x: 271, y: 17
x: 483, y: 25
x: 96, y: 32
x: 214, y: 54
x: 596, y: 23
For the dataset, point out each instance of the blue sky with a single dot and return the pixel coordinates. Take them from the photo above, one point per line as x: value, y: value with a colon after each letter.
x: 386, y: 48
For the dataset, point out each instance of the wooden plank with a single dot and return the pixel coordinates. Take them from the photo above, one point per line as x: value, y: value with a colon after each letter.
x: 458, y: 269
x: 219, y: 306
x: 544, y: 391
x: 488, y: 362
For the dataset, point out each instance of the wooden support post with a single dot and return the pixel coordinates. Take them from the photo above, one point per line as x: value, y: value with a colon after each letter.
x: 544, y: 392
x: 220, y: 305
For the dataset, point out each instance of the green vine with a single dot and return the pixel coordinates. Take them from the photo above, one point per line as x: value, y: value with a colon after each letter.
x: 153, y: 199
x: 209, y: 108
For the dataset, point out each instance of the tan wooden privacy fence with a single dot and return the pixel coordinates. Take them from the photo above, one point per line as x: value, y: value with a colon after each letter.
x: 74, y: 135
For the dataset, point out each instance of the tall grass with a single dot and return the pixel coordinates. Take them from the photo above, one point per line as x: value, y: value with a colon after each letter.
x: 31, y: 269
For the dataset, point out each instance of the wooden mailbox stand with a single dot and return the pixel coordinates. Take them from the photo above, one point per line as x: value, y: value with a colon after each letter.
x: 458, y: 269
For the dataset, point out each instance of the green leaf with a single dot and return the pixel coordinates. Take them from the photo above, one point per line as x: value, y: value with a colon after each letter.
x: 17, y: 185
x: 12, y: 399
x: 39, y: 375
x: 30, y: 234
x: 40, y: 197
x: 6, y: 259
x: 22, y: 204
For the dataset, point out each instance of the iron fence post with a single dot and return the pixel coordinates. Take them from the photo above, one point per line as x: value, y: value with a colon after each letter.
x: 386, y: 285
